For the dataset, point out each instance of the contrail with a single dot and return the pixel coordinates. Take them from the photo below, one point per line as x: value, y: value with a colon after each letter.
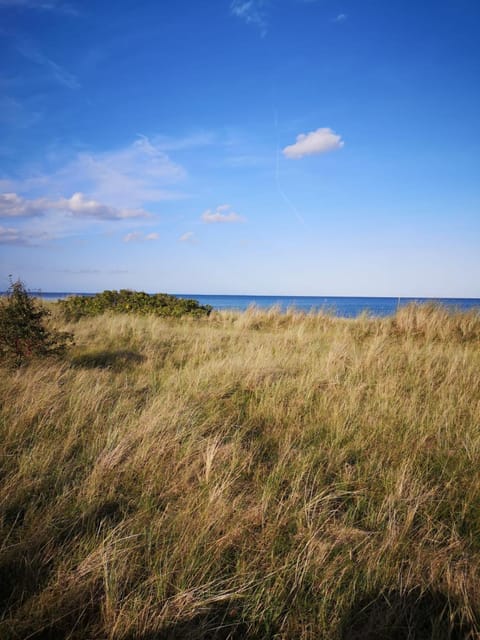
x: 287, y: 200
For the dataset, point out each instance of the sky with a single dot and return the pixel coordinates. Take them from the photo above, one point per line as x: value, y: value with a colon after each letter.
x: 275, y: 147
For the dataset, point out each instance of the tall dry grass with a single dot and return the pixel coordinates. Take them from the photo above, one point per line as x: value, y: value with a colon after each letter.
x: 255, y: 475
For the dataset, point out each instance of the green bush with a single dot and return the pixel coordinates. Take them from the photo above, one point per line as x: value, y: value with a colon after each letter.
x: 126, y: 301
x: 23, y: 334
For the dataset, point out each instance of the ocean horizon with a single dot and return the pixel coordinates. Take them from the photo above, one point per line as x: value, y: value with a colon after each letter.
x: 341, y: 306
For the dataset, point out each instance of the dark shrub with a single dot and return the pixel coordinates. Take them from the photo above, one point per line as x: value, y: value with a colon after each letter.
x: 23, y: 334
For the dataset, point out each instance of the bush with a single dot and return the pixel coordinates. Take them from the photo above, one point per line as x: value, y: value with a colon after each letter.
x: 23, y: 334
x: 126, y: 301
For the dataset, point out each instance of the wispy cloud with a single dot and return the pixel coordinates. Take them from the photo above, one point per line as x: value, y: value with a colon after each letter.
x: 248, y: 160
x: 11, y: 235
x: 315, y: 142
x: 128, y: 177
x: 255, y: 12
x: 252, y: 12
x: 189, y: 236
x: 61, y: 75
x: 14, y: 113
x: 138, y: 236
x: 14, y: 206
x: 223, y: 214
x: 93, y: 271
x: 40, y: 5
x: 132, y: 175
x: 199, y: 139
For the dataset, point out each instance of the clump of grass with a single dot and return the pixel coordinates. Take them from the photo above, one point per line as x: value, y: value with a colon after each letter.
x: 251, y: 475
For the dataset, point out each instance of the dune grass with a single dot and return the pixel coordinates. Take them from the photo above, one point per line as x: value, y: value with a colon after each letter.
x: 246, y: 475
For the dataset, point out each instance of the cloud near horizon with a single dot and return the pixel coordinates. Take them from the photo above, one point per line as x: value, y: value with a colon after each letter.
x: 308, y: 144
x: 13, y: 236
x: 9, y: 235
x: 138, y: 236
x: 222, y: 214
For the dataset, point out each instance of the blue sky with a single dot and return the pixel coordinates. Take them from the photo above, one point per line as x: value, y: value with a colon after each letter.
x: 303, y: 147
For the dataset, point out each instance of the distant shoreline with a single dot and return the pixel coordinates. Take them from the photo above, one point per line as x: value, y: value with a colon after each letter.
x: 342, y: 306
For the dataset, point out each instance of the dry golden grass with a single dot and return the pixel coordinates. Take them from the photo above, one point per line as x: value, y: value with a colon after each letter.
x: 252, y: 475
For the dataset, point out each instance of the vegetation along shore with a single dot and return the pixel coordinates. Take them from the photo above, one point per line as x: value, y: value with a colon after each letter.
x: 242, y: 475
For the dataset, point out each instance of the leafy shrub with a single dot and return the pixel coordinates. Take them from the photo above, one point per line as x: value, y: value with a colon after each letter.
x: 126, y: 301
x: 23, y: 334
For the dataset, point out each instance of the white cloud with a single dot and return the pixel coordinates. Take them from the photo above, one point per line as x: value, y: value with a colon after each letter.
x: 15, y: 206
x: 79, y: 205
x: 222, y: 213
x: 252, y: 11
x: 138, y: 236
x: 189, y: 236
x: 340, y: 18
x: 108, y: 187
x: 319, y: 141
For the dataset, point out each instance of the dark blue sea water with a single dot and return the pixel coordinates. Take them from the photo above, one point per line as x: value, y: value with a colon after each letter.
x: 346, y: 307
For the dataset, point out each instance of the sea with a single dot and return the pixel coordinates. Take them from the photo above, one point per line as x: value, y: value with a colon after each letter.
x: 345, y: 307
